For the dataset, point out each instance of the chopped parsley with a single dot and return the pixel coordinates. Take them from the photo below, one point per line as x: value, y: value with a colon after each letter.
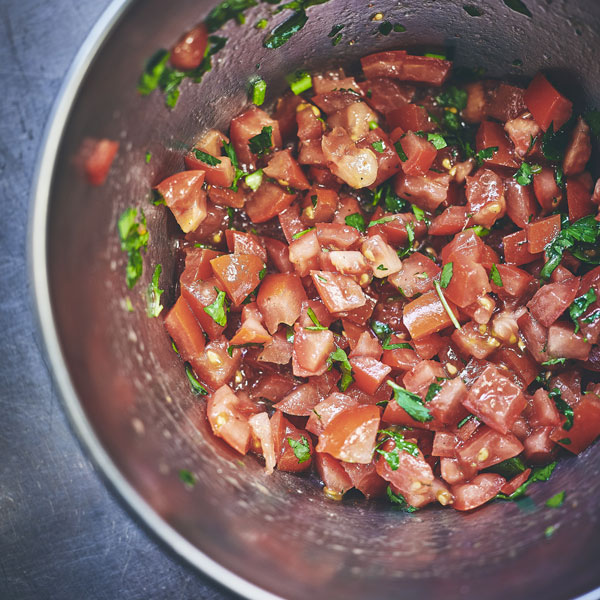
x: 538, y: 474
x: 592, y: 317
x: 411, y: 403
x: 400, y: 346
x: 382, y: 330
x: 340, y: 356
x: 554, y: 143
x: 134, y: 238
x: 580, y: 305
x: 466, y: 420
x: 392, y: 202
x: 283, y: 32
x: 230, y: 349
x: 437, y: 140
x: 400, y: 151
x: 206, y: 158
x: 400, y: 500
x: 392, y: 457
x: 495, y: 276
x: 433, y: 390
x: 452, y: 97
x: 254, y: 180
x: 373, y: 125
x: 218, y: 309
x: 378, y: 146
x: 261, y: 143
x: 153, y: 294
x: 419, y: 213
x: 385, y: 28
x: 261, y: 24
x: 357, y: 221
x: 227, y: 10
x: 301, y: 448
x: 562, y: 407
x: 299, y: 81
x: 557, y: 500
x: 258, y: 89
x: 554, y: 361
x: 335, y: 30
x: 230, y: 153
x: 559, y: 177
x: 197, y: 388
x: 446, y: 275
x: 148, y: 157
x: 550, y: 530
x: 381, y: 221
x: 187, y: 477
x: 524, y: 175
x: 313, y: 317
x: 299, y: 234
x: 485, y: 154
x: 509, y: 468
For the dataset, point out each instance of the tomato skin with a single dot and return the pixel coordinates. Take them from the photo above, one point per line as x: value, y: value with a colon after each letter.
x: 541, y: 233
x: 300, y: 401
x: 420, y: 153
x: 226, y: 421
x: 185, y: 197
x: 369, y: 373
x: 427, y: 192
x: 488, y: 447
x: 240, y: 242
x: 199, y: 293
x: 366, y: 479
x: 416, y: 275
x: 401, y: 359
x: 552, y: 299
x: 350, y: 436
x: 485, y: 197
x: 543, y: 411
x: 546, y: 104
x: 490, y: 135
x: 197, y: 265
x: 188, y: 53
x: 478, y: 491
x: 98, y: 158
x: 469, y: 282
x: 418, y: 379
x: 262, y: 432
x: 410, y: 117
x: 223, y: 196
x: 453, y: 471
x: 283, y: 430
x: 335, y: 236
x: 453, y: 220
x: 520, y: 363
x: 251, y: 330
x: 521, y: 206
x: 324, y: 412
x: 579, y: 198
x: 521, y: 130
x: 319, y: 205
x: 267, y: 202
x: 536, y: 336
x: 284, y: 167
x: 384, y: 94
x: 516, y: 482
x: 277, y: 351
x: 215, y: 367
x: 539, y: 448
x: 249, y: 124
x: 185, y: 330
x: 516, y: 249
x: 285, y: 114
x: 388, y: 161
x: 311, y: 351
x: 426, y: 315
x: 563, y: 342
x: 466, y: 245
x: 495, y: 400
x: 280, y: 299
x: 238, y: 274
x: 338, y: 292
x: 579, y: 149
x: 332, y: 474
x: 397, y: 64
x: 506, y: 102
x: 471, y: 341
x: 586, y: 425
x: 515, y: 282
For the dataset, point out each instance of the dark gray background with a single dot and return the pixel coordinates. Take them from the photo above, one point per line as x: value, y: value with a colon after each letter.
x: 63, y: 536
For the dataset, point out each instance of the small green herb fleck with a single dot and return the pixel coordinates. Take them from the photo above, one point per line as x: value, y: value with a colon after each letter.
x: 495, y: 276
x: 400, y: 151
x: 400, y: 500
x: 299, y: 234
x: 299, y: 81
x: 554, y: 143
x: 283, y: 32
x: 230, y: 153
x: 261, y: 143
x: 373, y: 125
x: 301, y: 449
x: 335, y: 30
x: 433, y: 390
x: 378, y: 146
x: 337, y: 39
x: 385, y: 28
x: 357, y: 221
x: 592, y: 118
x: 485, y: 154
x: 437, y: 140
x: 197, y: 388
x: 148, y: 157
x: 538, y: 474
x: 258, y: 89
x: 524, y: 175
x: 399, y: 28
x: 261, y: 24
x: 549, y: 531
x: 580, y: 305
x: 153, y: 294
x: 562, y: 407
x: 313, y: 317
x: 187, y: 477
x: 381, y: 221
x: 254, y: 180
x: 134, y: 239
x: 340, y: 356
x: 557, y: 500
x: 554, y: 361
x: 392, y: 457
x: 218, y: 309
x: 446, y: 275
x: 452, y: 97
x: 411, y: 403
x: 206, y: 158
x: 381, y: 330
x: 445, y: 304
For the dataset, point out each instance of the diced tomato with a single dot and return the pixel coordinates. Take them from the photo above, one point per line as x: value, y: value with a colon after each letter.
x: 215, y: 367
x: 250, y: 124
x: 280, y: 299
x: 227, y: 421
x: 369, y: 373
x: 453, y: 471
x: 384, y: 94
x: 516, y: 249
x: 563, y: 342
x: 211, y: 229
x: 474, y: 340
x: 199, y: 293
x: 278, y: 350
x: 485, y: 197
x: 188, y: 52
x: 427, y: 347
x: 516, y: 482
x: 399, y: 65
x: 586, y: 426
x: 427, y: 192
x: 185, y: 331
x: 539, y: 448
x: 536, y: 336
x: 552, y: 299
x: 197, y: 265
x: 240, y: 242
x: 426, y: 315
x: 453, y: 220
x: 578, y: 150
x: 283, y: 432
x: 262, y: 432
x: 388, y: 161
x: 185, y: 197
x: 324, y: 412
x: 300, y: 401
x: 319, y: 205
x: 492, y: 135
x: 478, y: 491
x: 335, y: 236
x: 495, y: 400
x: 367, y: 345
x: 338, y: 292
x: 579, y: 198
x: 541, y: 233
x: 546, y: 190
x: 418, y: 379
x: 546, y: 104
x: 521, y: 206
x: 543, y: 411
x: 466, y: 245
x: 446, y: 405
x: 416, y: 275
x: 469, y: 282
x: 402, y: 359
x: 267, y: 202
x: 354, y: 118
x: 272, y: 386
x: 285, y: 114
x: 515, y: 281
x: 309, y: 126
x: 284, y: 167
x: 520, y: 363
x: 238, y: 274
x: 522, y: 131
x: 506, y: 102
x: 311, y: 351
x: 337, y: 100
x: 98, y: 156
x: 420, y: 154
x: 333, y: 80
x: 381, y: 257
x: 411, y: 117
x: 224, y: 196
x: 444, y: 443
x: 477, y: 101
x: 350, y: 436
x: 366, y: 479
x: 333, y: 475
x: 488, y: 447
x: 251, y: 330
x: 291, y: 223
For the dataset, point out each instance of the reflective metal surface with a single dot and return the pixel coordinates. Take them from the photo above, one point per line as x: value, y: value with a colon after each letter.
x: 126, y: 391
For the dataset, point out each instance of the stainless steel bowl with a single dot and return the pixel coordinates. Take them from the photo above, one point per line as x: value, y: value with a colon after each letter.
x: 125, y: 389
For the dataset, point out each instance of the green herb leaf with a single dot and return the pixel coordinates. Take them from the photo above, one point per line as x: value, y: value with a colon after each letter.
x: 261, y: 24
x: 381, y: 221
x: 495, y: 276
x: 592, y: 317
x: 299, y: 81
x: 565, y: 441
x: 592, y: 118
x: 400, y: 500
x: 381, y: 330
x: 437, y: 140
x: 538, y: 474
x: 399, y: 28
x: 225, y: 11
x: 301, y: 449
x: 580, y: 238
x: 419, y: 213
x: 392, y: 457
x: 485, y: 154
x: 452, y: 97
x: 549, y: 531
x: 153, y: 294
x: 187, y: 477
x: 385, y: 28
x: 197, y: 388
x: 254, y: 180
x: 559, y: 176
x: 218, y: 309
x: 580, y: 305
x: 378, y: 146
x: 301, y: 233
x: 400, y: 346
x: 230, y: 153
x: 373, y: 125
x: 465, y: 421
x: 557, y: 500
x: 260, y: 144
x: 313, y: 317
x: 400, y: 151
x: 153, y: 72
x: 340, y: 356
x: 433, y: 390
x: 411, y: 403
x: 554, y: 361
x: 554, y: 143
x: 357, y: 221
x: 258, y: 90
x: 524, y: 175
x: 446, y: 275
x: 392, y: 202
x: 148, y: 157
x: 509, y: 468
x: 335, y: 30
x: 438, y: 289
x: 518, y: 6
x: 562, y: 407
x: 134, y: 238
x: 206, y: 158
x: 283, y: 32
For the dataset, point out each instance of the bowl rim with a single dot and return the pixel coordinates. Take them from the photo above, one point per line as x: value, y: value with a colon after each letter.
x: 37, y: 262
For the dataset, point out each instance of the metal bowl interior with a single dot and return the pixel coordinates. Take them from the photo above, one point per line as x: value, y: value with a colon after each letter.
x: 126, y: 391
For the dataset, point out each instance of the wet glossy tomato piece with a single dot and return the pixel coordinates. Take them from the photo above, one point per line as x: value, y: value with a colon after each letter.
x: 485, y: 197
x: 238, y: 274
x: 227, y: 421
x: 188, y: 53
x: 280, y: 299
x: 185, y: 331
x: 492, y: 135
x: 397, y: 64
x: 338, y: 292
x: 369, y: 373
x: 98, y: 158
x: 579, y: 149
x: 541, y: 233
x: 311, y: 351
x: 185, y: 197
x: 420, y: 154
x: 267, y: 202
x: 488, y: 447
x: 284, y: 167
x: 552, y: 299
x: 286, y: 436
x: 333, y: 475
x: 426, y: 315
x: 546, y: 104
x: 469, y: 282
x: 521, y: 206
x: 478, y: 491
